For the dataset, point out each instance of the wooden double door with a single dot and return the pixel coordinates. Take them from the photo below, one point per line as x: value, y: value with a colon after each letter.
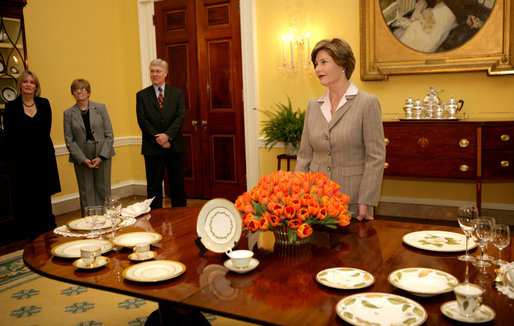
x: 201, y: 41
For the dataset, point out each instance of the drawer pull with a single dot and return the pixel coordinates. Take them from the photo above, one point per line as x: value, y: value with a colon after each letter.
x: 504, y: 164
x: 386, y: 141
x: 464, y: 168
x: 505, y: 137
x: 386, y: 165
x: 464, y: 143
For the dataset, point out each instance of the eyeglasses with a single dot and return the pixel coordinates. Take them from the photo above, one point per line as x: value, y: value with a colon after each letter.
x: 78, y: 90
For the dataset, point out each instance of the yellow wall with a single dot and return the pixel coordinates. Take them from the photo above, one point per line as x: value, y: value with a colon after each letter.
x: 96, y: 40
x: 484, y: 96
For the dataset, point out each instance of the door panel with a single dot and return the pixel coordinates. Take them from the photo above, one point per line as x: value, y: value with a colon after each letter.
x: 202, y: 43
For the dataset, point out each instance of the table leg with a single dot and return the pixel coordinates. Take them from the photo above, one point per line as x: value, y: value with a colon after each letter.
x: 169, y: 314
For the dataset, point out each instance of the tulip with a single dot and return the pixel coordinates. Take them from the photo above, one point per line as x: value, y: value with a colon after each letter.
x: 322, y: 214
x: 304, y: 231
x: 247, y: 217
x: 302, y: 214
x: 313, y: 208
x: 289, y: 212
x: 295, y: 224
x: 254, y: 225
x: 264, y: 224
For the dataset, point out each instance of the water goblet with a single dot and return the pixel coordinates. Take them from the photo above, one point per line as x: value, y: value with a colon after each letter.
x: 100, y: 219
x: 90, y: 215
x: 485, y: 256
x: 483, y: 234
x: 466, y: 217
x: 501, y: 239
x: 112, y: 206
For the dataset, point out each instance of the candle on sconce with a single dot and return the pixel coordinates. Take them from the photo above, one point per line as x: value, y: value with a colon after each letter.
x: 284, y: 49
x: 291, y: 45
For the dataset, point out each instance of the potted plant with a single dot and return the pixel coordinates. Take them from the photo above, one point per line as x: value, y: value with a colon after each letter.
x: 283, y: 125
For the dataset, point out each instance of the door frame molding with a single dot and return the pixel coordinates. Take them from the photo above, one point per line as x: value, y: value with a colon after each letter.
x: 148, y: 51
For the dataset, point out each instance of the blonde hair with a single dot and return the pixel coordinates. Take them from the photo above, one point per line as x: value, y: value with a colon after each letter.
x: 23, y: 76
x: 159, y: 62
x: 340, y: 51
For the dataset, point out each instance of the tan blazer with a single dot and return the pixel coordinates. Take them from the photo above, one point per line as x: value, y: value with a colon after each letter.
x: 350, y: 149
x: 75, y: 132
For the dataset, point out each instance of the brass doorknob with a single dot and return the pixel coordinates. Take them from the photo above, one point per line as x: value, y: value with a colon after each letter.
x: 505, y: 137
x: 464, y: 143
x: 194, y: 123
x: 204, y: 124
x: 504, y: 164
x: 386, y: 141
x: 464, y: 168
x: 386, y: 165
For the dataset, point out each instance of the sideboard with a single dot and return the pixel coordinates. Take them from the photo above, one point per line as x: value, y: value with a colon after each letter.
x: 474, y: 151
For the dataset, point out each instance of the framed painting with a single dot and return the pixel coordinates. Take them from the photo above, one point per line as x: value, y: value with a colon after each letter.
x: 430, y: 36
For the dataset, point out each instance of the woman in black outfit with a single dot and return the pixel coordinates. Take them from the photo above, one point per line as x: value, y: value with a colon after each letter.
x: 28, y: 121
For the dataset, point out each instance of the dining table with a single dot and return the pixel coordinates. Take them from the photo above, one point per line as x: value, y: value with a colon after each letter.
x: 283, y: 289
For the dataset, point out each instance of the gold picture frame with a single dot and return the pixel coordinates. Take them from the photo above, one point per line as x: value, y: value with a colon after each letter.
x: 382, y: 54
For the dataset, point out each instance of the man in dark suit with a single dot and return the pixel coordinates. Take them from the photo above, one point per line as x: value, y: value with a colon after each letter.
x: 160, y: 115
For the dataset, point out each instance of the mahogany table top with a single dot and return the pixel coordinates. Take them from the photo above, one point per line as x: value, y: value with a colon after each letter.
x: 282, y: 289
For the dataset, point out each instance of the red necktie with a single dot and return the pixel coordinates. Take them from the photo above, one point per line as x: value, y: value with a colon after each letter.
x: 160, y: 98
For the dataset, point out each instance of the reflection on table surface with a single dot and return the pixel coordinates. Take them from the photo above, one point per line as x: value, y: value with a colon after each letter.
x: 282, y: 289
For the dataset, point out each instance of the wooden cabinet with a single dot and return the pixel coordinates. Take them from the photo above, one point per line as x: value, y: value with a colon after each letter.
x: 460, y: 150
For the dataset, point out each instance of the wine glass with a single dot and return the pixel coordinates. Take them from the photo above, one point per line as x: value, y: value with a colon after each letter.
x: 90, y: 215
x: 466, y: 216
x: 485, y: 256
x: 501, y: 239
x: 100, y: 219
x: 112, y: 206
x: 483, y: 234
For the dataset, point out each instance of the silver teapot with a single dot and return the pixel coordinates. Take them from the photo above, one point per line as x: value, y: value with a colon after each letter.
x: 453, y: 106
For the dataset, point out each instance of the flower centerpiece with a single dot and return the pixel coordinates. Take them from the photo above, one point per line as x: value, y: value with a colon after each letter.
x: 294, y: 201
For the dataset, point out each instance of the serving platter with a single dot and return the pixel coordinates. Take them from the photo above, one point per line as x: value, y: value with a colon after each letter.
x: 154, y: 271
x: 345, y: 278
x: 374, y: 308
x: 219, y: 225
x: 440, y: 241
x: 132, y: 238
x: 71, y: 249
x: 423, y: 282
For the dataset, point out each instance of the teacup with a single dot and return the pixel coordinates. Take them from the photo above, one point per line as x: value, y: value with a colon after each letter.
x: 240, y: 258
x: 90, y: 253
x: 142, y: 250
x: 469, y: 298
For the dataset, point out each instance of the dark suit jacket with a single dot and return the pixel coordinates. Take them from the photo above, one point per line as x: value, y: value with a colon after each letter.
x: 153, y: 121
x: 32, y: 149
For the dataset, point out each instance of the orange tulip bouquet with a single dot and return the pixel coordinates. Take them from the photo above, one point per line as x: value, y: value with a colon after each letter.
x: 296, y: 200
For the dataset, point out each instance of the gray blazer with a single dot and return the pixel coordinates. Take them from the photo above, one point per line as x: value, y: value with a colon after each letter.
x: 350, y: 149
x: 75, y: 132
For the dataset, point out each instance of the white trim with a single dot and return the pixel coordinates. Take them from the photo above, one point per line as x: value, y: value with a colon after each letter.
x: 250, y: 89
x: 444, y: 202
x: 118, y: 142
x: 147, y: 44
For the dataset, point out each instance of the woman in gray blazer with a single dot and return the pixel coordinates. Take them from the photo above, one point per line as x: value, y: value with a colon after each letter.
x: 343, y: 136
x: 89, y: 138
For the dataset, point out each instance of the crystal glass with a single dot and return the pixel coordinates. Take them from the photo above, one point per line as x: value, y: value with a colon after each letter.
x: 466, y: 216
x: 112, y: 206
x: 483, y: 234
x: 485, y: 256
x: 90, y: 214
x: 501, y: 239
x: 100, y: 219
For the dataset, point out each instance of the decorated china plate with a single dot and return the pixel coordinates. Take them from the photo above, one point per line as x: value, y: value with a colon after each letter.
x: 372, y: 308
x: 81, y: 224
x: 482, y: 315
x: 345, y: 278
x: 219, y: 225
x: 132, y: 238
x: 441, y: 241
x: 147, y: 256
x: 253, y: 265
x: 154, y: 271
x: 8, y: 93
x: 423, y: 282
x: 71, y: 249
x: 99, y: 262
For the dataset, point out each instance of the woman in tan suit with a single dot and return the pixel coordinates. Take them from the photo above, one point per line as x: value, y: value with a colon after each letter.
x: 89, y: 138
x: 343, y: 135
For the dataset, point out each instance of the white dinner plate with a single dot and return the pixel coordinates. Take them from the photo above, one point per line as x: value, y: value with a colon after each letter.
x: 372, y: 308
x: 481, y: 315
x: 154, y: 271
x: 99, y: 262
x: 81, y: 224
x: 133, y: 238
x: 345, y: 278
x: 423, y: 282
x: 71, y: 249
x: 441, y: 241
x: 219, y: 225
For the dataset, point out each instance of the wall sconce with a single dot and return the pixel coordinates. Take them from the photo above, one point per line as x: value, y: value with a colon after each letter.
x: 294, y: 60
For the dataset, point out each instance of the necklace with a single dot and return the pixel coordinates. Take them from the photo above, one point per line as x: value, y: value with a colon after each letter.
x: 29, y: 106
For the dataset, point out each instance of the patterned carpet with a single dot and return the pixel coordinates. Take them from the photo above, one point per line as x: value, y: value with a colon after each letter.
x: 27, y: 298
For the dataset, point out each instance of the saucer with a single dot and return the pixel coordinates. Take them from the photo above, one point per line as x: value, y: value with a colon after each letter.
x: 99, y: 262
x: 150, y: 255
x: 482, y: 314
x: 253, y: 264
